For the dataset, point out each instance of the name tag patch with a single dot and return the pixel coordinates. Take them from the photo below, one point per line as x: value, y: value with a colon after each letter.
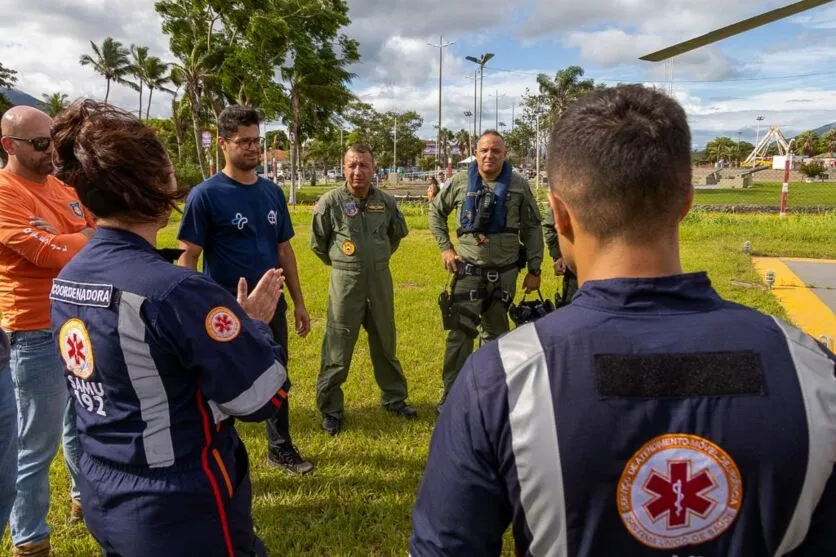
x: 376, y: 208
x: 81, y: 294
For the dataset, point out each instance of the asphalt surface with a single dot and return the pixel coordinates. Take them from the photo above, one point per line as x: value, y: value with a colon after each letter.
x: 821, y: 277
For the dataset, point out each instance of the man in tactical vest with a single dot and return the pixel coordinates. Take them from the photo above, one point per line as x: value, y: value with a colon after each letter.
x: 496, y: 211
x: 355, y: 231
x: 570, y: 279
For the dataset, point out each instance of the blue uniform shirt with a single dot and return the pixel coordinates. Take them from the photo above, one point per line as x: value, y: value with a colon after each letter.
x: 158, y: 356
x: 239, y: 227
x: 649, y: 417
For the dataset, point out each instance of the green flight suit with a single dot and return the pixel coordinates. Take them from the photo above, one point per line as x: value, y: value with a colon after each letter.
x: 357, y: 237
x: 570, y: 279
x: 477, y: 299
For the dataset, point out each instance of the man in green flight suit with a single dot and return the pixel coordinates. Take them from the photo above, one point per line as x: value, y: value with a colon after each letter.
x: 570, y: 279
x: 496, y: 211
x: 355, y: 230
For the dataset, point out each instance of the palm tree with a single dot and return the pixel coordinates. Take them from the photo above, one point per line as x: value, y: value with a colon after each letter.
x: 140, y: 57
x: 54, y: 103
x: 566, y: 88
x: 807, y: 143
x: 463, y: 142
x: 111, y: 61
x: 193, y: 73
x: 157, y: 77
x: 828, y: 141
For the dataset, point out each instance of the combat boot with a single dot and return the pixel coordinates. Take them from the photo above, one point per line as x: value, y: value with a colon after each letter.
x: 39, y: 548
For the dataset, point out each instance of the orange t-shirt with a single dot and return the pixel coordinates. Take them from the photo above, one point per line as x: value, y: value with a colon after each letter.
x: 30, y: 257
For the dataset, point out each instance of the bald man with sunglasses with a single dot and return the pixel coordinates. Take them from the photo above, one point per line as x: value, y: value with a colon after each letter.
x: 42, y: 226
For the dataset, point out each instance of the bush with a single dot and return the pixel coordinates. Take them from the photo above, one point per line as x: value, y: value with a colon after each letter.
x: 188, y: 175
x: 812, y: 169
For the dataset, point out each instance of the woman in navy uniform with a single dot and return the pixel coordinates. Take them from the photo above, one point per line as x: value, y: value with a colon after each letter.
x: 159, y: 358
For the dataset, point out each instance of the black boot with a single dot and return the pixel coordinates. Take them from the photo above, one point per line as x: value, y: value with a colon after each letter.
x: 331, y: 425
x: 402, y: 410
x: 287, y: 457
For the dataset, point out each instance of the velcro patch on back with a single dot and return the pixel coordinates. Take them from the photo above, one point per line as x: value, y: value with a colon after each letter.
x: 81, y: 294
x: 679, y: 375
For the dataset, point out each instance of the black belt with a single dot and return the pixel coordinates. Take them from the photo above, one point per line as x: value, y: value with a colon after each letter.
x: 492, y: 274
x: 461, y: 231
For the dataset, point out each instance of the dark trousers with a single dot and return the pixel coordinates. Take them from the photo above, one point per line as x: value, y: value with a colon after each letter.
x: 185, y: 509
x: 278, y: 427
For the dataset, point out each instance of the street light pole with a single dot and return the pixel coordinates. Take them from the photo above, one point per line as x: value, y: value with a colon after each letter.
x: 481, y: 62
x: 441, y: 45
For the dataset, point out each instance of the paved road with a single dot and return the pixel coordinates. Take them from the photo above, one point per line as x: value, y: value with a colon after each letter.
x: 820, y: 276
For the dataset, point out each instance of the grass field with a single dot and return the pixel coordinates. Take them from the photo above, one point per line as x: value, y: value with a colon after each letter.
x: 762, y: 193
x: 359, y: 499
x: 769, y: 193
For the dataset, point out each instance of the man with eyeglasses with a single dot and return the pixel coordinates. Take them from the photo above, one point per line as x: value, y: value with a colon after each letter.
x: 42, y: 226
x: 241, y: 224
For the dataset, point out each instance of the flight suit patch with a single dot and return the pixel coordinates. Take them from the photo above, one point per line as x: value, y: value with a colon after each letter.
x: 222, y: 324
x: 76, y: 349
x: 348, y: 247
x: 376, y: 208
x: 350, y: 209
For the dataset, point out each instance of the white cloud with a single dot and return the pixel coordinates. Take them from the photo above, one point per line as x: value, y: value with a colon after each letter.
x: 398, y: 71
x: 45, y: 43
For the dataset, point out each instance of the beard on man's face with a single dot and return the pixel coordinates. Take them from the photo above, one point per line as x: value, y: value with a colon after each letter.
x: 40, y: 163
x: 246, y: 161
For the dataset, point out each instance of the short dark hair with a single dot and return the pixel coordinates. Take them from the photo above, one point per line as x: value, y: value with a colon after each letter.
x: 236, y: 116
x: 621, y: 158
x: 116, y: 163
x: 490, y: 132
x: 361, y: 148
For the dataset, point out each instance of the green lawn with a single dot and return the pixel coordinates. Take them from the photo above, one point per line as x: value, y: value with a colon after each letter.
x: 359, y: 499
x: 769, y: 193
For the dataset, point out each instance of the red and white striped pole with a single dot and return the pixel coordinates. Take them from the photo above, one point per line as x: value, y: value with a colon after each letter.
x: 785, y: 188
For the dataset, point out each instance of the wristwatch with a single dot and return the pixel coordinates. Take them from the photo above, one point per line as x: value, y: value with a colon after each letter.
x: 535, y: 272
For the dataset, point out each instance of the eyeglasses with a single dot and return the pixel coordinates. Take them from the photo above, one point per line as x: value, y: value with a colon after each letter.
x: 247, y: 142
x: 38, y: 143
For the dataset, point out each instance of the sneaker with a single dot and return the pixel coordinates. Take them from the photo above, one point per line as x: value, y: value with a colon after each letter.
x: 76, y: 512
x: 331, y: 425
x: 288, y: 457
x: 39, y: 548
x: 402, y: 410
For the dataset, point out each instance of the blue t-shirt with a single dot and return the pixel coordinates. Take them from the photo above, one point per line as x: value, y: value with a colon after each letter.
x: 239, y: 227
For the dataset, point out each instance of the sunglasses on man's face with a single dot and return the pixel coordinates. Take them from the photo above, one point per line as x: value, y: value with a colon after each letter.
x: 38, y: 143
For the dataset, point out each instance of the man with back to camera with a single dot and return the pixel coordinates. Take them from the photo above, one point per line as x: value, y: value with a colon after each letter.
x: 496, y: 211
x: 355, y: 231
x: 241, y: 223
x: 650, y: 416
x: 42, y: 226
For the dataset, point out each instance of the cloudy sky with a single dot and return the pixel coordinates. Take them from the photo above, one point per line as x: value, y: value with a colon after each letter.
x: 783, y: 71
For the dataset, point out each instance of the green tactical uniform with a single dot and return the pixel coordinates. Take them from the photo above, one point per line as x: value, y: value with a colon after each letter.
x: 477, y: 299
x: 570, y: 280
x: 357, y: 237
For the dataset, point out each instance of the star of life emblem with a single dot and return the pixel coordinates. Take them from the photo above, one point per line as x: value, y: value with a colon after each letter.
x: 222, y: 324
x: 679, y: 490
x: 76, y: 349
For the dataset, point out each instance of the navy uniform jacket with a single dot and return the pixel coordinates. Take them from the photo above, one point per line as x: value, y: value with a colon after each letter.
x: 158, y: 356
x: 649, y: 417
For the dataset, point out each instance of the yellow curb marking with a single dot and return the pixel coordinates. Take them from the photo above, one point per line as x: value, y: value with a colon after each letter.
x: 803, y: 307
